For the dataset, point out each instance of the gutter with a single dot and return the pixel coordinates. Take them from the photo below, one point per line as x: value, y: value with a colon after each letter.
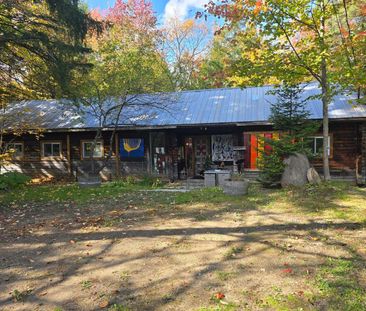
x: 182, y: 126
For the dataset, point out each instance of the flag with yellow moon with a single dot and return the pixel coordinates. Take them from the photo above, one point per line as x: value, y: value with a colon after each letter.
x: 132, y: 148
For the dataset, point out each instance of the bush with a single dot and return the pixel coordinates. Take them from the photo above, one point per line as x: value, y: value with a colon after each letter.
x: 272, y: 167
x: 150, y: 181
x: 12, y: 180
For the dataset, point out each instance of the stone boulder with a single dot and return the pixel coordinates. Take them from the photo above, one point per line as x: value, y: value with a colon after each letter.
x: 313, y: 176
x: 295, y: 173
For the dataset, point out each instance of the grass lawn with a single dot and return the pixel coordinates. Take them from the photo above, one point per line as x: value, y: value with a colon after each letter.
x: 125, y: 246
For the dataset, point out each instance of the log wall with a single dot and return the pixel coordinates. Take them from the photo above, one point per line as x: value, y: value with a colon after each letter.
x: 345, y: 147
x: 348, y: 142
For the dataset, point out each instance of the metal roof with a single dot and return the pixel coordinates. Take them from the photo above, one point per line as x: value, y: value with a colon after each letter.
x: 188, y: 108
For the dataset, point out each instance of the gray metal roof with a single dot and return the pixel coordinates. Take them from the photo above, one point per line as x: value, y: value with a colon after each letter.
x: 187, y: 108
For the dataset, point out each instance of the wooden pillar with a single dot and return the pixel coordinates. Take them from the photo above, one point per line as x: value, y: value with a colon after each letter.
x: 68, y: 154
x: 118, y: 158
x: 149, y: 155
x: 363, y: 151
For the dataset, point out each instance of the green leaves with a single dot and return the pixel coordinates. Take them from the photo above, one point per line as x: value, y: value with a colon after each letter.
x: 293, y: 38
x: 41, y: 45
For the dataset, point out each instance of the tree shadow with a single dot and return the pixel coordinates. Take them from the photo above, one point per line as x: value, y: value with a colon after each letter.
x: 162, y: 247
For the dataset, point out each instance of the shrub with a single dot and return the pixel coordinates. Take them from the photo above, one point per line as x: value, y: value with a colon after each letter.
x: 12, y: 180
x: 272, y: 167
x: 151, y: 181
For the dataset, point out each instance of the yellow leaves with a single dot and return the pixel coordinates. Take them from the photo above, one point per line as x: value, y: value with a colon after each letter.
x: 188, y: 24
x: 361, y: 35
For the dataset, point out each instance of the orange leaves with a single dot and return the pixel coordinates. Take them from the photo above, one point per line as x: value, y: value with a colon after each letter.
x: 219, y: 296
x: 258, y: 6
x: 363, y: 9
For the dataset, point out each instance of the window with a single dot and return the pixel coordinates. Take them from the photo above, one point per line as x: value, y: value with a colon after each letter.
x: 51, y: 149
x: 16, y: 149
x: 316, y: 145
x: 87, y: 149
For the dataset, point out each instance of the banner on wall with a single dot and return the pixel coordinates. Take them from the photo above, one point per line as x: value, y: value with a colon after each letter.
x: 132, y: 148
x: 222, y: 148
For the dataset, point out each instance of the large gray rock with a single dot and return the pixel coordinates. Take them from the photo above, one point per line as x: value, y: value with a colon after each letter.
x: 295, y: 173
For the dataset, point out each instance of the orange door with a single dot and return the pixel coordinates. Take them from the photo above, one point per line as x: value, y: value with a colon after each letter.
x: 255, y: 145
x: 253, y: 151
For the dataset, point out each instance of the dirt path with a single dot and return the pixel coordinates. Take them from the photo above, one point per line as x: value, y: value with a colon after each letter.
x: 57, y: 256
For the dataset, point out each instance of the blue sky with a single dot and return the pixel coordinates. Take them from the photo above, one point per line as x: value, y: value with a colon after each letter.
x: 164, y: 8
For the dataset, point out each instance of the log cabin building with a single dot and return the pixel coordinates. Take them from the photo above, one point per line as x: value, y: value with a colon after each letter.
x: 204, y: 128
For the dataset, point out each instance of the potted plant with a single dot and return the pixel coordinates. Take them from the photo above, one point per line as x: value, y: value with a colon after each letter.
x: 236, y: 185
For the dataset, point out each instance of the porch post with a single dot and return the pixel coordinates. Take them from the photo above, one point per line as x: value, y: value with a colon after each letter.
x: 363, y: 151
x: 68, y: 154
x: 149, y: 155
x: 118, y: 159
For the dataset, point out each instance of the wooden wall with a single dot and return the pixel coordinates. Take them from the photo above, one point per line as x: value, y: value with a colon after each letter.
x: 346, y: 144
x: 33, y: 164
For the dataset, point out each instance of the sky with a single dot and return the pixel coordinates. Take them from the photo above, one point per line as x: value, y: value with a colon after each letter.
x: 164, y: 8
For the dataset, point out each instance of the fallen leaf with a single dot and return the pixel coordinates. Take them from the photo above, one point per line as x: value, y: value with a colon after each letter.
x: 288, y: 270
x: 104, y: 304
x: 219, y: 296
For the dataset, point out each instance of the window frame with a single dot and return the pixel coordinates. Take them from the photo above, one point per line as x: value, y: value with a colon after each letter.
x: 53, y: 142
x: 14, y: 157
x: 330, y: 141
x: 82, y: 153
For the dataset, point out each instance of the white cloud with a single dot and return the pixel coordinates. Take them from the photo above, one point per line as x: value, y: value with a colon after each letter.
x: 180, y: 8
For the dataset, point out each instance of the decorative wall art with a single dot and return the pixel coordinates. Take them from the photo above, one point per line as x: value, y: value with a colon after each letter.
x: 132, y: 148
x: 222, y: 148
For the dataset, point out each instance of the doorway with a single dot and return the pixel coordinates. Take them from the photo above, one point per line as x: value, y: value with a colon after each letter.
x: 196, y: 155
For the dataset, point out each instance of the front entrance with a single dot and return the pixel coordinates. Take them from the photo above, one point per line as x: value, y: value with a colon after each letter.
x: 202, y: 153
x: 196, y: 154
x: 255, y: 144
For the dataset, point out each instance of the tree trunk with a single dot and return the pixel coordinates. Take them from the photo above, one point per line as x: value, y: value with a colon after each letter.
x: 325, y: 100
x: 325, y: 95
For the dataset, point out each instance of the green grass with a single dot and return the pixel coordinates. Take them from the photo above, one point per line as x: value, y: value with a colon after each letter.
x: 224, y: 276
x: 332, y: 200
x: 281, y: 302
x: 72, y: 192
x: 86, y: 284
x: 335, y: 287
x: 118, y: 307
x: 233, y: 251
x: 229, y: 307
x: 19, y: 296
x: 339, y: 284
